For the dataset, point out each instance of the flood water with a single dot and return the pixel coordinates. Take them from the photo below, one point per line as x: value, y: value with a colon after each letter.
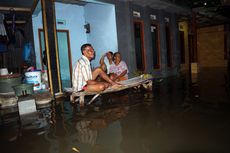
x: 177, y: 116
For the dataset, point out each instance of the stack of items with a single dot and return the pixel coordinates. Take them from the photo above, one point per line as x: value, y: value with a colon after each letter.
x: 25, y: 95
x: 7, y: 81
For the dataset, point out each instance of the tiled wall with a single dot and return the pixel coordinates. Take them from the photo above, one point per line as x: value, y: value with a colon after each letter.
x: 210, y: 46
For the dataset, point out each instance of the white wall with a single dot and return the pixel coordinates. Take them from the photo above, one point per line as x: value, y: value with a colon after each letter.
x: 103, y: 31
x: 75, y: 21
x: 37, y: 24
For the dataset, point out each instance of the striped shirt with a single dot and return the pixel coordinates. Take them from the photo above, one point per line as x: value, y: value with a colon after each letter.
x: 81, y: 73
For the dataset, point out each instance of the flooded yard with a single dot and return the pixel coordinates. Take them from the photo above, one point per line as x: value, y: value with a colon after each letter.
x: 177, y: 116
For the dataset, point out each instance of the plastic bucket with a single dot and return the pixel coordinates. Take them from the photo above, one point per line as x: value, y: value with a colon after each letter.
x: 4, y: 71
x: 8, y: 81
x: 34, y: 77
x: 23, y: 89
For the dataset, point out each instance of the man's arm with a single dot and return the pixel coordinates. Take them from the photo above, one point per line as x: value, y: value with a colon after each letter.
x: 124, y: 68
x: 102, y: 59
x: 122, y: 74
x: 86, y: 73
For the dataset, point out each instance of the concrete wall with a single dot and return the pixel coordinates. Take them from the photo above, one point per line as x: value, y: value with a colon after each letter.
x: 75, y: 21
x: 37, y: 24
x: 210, y: 46
x: 124, y: 23
x: 103, y: 31
x: 126, y: 44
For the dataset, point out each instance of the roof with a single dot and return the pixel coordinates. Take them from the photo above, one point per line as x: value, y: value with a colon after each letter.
x: 209, y: 12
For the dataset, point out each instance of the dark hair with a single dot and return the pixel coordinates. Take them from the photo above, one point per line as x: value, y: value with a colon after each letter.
x: 110, y: 52
x: 84, y: 46
x: 116, y: 54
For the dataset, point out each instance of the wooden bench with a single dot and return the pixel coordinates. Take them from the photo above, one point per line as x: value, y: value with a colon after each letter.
x: 143, y: 80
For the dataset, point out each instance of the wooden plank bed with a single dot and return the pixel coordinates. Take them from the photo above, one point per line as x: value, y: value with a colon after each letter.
x: 144, y: 80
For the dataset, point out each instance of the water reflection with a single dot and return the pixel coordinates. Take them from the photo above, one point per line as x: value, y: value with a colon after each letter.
x: 23, y: 132
x: 177, y: 116
x: 88, y: 126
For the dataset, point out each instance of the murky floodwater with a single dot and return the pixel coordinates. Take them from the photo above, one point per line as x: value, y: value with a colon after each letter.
x: 176, y: 117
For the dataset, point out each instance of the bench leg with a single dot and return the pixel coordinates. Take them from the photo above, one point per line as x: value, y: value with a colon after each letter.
x: 94, y: 97
x: 71, y: 98
x: 148, y: 85
x: 82, y: 100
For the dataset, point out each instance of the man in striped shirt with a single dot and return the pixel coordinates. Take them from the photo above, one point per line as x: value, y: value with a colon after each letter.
x: 84, y: 78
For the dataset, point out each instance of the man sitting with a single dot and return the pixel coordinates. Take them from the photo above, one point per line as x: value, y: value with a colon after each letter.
x: 84, y: 78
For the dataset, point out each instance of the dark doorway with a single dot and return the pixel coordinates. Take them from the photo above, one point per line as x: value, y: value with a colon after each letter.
x: 182, y: 47
x: 155, y: 46
x: 168, y: 44
x: 190, y: 48
x: 139, y: 49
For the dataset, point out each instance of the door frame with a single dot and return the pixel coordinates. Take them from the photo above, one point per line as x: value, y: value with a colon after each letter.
x: 169, y: 44
x: 143, y: 52
x: 182, y: 46
x: 40, y: 46
x: 69, y: 51
x: 158, y: 45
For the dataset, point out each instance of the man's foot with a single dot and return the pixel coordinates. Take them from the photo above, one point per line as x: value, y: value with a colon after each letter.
x: 115, y: 83
x: 106, y: 85
x: 116, y: 86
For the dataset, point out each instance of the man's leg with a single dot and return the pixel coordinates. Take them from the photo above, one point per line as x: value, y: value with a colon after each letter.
x: 113, y: 76
x: 102, y: 74
x: 103, y: 67
x: 96, y: 86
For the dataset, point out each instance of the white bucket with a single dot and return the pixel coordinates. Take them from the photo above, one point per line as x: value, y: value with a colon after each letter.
x: 34, y: 77
x: 4, y: 71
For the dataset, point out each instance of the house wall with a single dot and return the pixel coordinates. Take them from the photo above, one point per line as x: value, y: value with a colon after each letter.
x: 37, y: 24
x: 75, y: 21
x: 124, y: 18
x: 124, y: 22
x: 210, y: 46
x: 103, y: 31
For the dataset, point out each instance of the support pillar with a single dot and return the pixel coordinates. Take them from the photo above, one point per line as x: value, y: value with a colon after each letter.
x: 227, y: 49
x: 194, y: 32
x: 193, y: 57
x: 49, y: 25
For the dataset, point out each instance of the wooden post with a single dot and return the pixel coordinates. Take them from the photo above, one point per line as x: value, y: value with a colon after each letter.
x: 49, y: 25
x: 194, y: 32
x: 82, y: 100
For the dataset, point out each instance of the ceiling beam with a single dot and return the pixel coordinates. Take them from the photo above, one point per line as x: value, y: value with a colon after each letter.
x: 17, y: 22
x: 18, y: 9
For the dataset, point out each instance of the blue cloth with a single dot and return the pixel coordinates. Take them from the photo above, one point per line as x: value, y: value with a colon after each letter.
x: 3, y: 47
x: 27, y: 51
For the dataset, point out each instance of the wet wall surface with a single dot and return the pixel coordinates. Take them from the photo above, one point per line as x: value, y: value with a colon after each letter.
x: 177, y: 116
